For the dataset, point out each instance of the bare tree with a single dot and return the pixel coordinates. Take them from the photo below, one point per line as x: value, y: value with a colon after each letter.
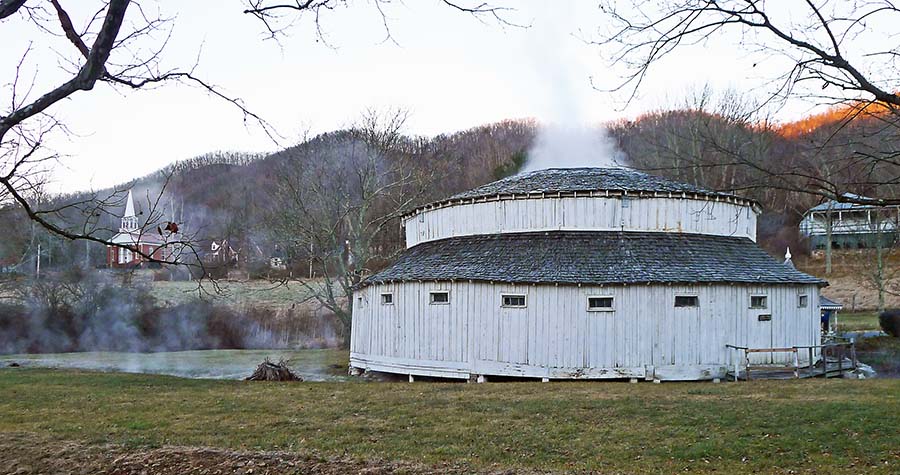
x: 278, y: 16
x: 121, y: 45
x: 828, y: 50
x: 333, y: 209
x: 884, y: 226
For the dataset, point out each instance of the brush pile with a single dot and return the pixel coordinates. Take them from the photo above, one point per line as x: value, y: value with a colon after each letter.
x: 269, y: 371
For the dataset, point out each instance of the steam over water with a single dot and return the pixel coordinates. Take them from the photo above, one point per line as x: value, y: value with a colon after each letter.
x: 311, y: 365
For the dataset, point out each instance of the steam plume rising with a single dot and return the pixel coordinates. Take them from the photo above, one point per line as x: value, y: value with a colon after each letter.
x: 566, y: 139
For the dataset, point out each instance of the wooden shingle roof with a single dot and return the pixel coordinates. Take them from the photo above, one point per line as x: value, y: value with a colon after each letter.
x: 588, y: 181
x: 556, y: 180
x: 592, y: 257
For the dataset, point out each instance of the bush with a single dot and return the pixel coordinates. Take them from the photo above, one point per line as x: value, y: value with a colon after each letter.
x: 890, y: 322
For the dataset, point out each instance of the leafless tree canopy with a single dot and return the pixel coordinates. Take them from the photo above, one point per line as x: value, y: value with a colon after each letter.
x: 843, y: 54
x: 334, y: 209
x: 122, y: 45
x: 278, y: 16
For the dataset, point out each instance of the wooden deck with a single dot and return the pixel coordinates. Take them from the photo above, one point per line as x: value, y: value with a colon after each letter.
x: 834, y: 369
x: 836, y: 358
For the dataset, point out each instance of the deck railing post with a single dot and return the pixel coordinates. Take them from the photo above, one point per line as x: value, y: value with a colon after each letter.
x: 796, y: 364
x: 840, y: 361
x: 853, y: 354
x: 747, y: 363
x: 812, y: 368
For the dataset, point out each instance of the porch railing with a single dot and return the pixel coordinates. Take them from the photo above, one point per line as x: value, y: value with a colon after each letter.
x: 837, y: 351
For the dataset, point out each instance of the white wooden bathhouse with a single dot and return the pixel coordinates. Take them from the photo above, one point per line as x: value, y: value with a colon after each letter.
x: 581, y: 273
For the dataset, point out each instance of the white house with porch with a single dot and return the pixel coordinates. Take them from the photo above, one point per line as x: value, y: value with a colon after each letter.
x: 853, y: 225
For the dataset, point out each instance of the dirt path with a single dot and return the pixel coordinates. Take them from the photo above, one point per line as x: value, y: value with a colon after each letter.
x: 23, y: 454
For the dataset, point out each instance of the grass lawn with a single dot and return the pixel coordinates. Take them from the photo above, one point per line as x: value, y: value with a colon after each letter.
x: 858, y: 321
x: 257, y: 292
x: 823, y: 426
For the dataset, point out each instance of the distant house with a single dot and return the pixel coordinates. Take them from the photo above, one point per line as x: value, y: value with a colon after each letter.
x: 137, y: 241
x: 8, y: 264
x: 853, y: 226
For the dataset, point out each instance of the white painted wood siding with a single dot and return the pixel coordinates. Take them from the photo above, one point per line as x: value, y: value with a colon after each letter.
x: 680, y: 215
x: 556, y: 336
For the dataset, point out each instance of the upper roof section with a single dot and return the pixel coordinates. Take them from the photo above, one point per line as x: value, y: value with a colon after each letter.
x: 553, y: 180
x: 583, y: 199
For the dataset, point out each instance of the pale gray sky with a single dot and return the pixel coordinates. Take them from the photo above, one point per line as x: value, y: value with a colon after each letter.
x: 450, y: 70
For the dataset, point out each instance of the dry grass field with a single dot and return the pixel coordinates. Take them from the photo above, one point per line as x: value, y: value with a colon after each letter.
x: 118, y: 423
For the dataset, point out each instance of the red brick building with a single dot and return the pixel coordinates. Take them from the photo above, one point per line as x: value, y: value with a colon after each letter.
x: 132, y: 235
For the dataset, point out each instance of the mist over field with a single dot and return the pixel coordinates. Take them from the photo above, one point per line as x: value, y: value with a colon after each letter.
x: 78, y: 312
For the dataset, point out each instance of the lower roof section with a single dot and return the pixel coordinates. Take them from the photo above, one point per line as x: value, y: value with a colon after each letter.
x: 592, y: 257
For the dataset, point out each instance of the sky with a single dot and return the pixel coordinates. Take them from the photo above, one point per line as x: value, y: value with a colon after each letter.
x: 450, y: 70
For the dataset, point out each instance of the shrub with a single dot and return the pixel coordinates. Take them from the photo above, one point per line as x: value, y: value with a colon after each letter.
x: 890, y: 322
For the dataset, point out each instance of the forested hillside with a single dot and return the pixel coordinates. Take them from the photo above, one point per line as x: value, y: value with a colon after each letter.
x: 247, y: 199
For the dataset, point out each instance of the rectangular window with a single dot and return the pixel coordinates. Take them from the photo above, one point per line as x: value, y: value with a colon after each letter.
x: 764, y: 318
x: 600, y: 304
x: 759, y: 301
x: 687, y: 301
x: 387, y: 298
x: 440, y: 297
x: 513, y: 300
x: 802, y: 301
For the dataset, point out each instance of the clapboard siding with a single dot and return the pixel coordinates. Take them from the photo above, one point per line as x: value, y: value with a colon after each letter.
x: 556, y: 336
x: 682, y: 215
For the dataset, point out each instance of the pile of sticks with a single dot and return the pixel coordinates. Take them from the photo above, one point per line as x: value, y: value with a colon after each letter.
x: 269, y: 371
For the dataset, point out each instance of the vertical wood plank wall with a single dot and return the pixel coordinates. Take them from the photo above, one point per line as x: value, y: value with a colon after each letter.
x: 556, y: 335
x: 584, y: 214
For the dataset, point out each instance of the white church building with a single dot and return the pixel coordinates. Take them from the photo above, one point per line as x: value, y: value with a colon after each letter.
x: 584, y: 273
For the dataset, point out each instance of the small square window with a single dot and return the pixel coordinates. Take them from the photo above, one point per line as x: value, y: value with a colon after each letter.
x: 387, y: 298
x: 802, y: 301
x: 759, y: 301
x: 439, y: 298
x: 687, y: 301
x: 600, y: 304
x: 515, y: 301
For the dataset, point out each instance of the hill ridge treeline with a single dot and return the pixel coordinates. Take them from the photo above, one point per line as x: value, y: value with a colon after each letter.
x: 219, y: 195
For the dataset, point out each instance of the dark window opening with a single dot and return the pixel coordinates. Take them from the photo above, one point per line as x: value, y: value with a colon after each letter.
x: 513, y: 301
x: 440, y: 297
x: 765, y: 318
x: 387, y: 299
x: 687, y: 301
x: 759, y: 301
x: 802, y: 301
x: 599, y: 304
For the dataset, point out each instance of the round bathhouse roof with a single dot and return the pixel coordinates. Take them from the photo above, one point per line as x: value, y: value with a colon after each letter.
x: 566, y: 181
x: 592, y: 258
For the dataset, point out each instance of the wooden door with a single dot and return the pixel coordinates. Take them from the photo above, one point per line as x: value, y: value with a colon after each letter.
x: 761, y: 334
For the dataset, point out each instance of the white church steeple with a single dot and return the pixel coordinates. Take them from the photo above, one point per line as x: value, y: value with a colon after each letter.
x: 129, y: 219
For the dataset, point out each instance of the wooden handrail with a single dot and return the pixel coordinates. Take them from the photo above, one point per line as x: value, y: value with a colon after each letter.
x: 795, y: 350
